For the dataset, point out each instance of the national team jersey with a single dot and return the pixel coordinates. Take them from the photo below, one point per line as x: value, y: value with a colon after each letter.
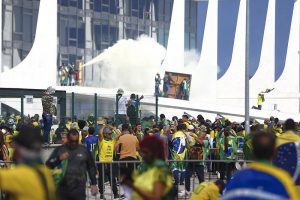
x: 91, y: 143
x: 106, y: 150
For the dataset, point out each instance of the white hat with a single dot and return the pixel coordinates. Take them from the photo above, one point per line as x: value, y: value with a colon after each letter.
x: 191, y: 127
x: 120, y: 91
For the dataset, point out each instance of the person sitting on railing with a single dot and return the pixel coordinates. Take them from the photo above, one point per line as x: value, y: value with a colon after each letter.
x: 152, y: 180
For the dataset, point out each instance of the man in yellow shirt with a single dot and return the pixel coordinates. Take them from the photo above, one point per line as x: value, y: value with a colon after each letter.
x: 106, y: 155
x: 260, y: 100
x: 30, y: 179
x: 208, y: 191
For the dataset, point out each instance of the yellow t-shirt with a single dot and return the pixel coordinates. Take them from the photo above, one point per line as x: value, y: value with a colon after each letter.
x: 146, y: 181
x: 206, y: 191
x: 24, y: 183
x: 106, y: 150
x: 259, y: 100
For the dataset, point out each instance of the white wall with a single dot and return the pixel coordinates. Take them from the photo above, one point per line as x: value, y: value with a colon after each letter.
x: 264, y: 77
x: 287, y: 86
x: 231, y: 86
x: 38, y: 69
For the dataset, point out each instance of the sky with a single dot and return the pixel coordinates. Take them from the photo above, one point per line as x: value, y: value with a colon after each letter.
x: 227, y: 19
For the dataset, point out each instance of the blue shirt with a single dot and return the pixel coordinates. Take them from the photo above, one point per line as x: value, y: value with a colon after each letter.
x: 91, y: 143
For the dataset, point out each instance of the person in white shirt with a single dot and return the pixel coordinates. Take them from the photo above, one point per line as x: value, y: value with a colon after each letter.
x: 122, y: 106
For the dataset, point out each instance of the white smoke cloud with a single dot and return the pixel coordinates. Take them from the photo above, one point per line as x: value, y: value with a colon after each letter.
x: 131, y: 64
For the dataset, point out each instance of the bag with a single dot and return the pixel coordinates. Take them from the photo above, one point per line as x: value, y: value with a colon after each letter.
x: 59, y: 172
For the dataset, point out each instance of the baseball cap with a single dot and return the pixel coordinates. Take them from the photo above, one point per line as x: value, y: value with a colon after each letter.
x: 107, y: 130
x: 191, y: 127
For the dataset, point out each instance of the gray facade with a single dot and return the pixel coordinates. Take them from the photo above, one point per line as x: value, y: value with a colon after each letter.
x: 87, y: 27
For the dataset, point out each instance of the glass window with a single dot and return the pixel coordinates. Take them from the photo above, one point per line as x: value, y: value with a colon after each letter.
x: 27, y: 28
x: 97, y: 5
x: 113, y: 35
x: 97, y: 37
x: 72, y: 59
x: 17, y: 19
x: 80, y: 4
x: 81, y: 37
x: 73, y: 3
x: 63, y: 30
x: 104, y: 33
x: 64, y: 2
x: 72, y: 43
x: 72, y: 33
x: 113, y: 6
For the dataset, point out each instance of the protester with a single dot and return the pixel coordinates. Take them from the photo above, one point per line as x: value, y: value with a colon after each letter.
x: 127, y: 145
x: 139, y: 132
x: 106, y: 154
x: 178, y: 152
x: 261, y: 180
x: 157, y: 84
x: 49, y: 110
x: 29, y: 179
x: 152, y: 181
x: 79, y: 162
x: 167, y: 83
x: 208, y: 191
x: 196, y: 151
x: 122, y: 106
x: 91, y: 142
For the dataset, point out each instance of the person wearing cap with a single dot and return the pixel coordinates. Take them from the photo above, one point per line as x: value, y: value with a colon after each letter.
x: 29, y: 179
x: 122, y: 106
x: 79, y: 163
x: 106, y: 155
x: 49, y: 110
x: 208, y: 191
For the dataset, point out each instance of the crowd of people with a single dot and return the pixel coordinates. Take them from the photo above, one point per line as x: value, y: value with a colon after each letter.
x: 172, y: 151
x: 69, y: 75
x: 182, y: 88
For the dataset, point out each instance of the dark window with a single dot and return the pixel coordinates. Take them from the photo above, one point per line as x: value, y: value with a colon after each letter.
x: 17, y: 19
x: 72, y: 33
x: 97, y: 5
x: 105, y: 34
x: 27, y: 28
x: 81, y: 37
x: 64, y: 2
x: 113, y: 35
x: 97, y: 37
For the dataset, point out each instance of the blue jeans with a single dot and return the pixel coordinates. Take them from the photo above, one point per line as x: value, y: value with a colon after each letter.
x: 47, y: 119
x: 259, y: 107
x: 193, y: 167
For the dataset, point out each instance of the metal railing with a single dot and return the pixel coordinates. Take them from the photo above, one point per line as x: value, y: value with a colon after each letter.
x: 211, y: 171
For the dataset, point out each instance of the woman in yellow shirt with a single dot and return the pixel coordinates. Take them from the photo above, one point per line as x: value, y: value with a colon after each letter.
x: 152, y: 181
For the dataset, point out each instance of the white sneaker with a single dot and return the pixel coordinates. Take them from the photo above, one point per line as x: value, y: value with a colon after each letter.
x: 184, y: 193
